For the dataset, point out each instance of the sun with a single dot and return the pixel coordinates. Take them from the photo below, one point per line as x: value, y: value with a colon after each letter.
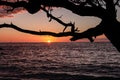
x: 49, y: 41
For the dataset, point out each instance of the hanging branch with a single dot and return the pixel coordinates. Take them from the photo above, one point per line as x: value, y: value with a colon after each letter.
x: 60, y: 21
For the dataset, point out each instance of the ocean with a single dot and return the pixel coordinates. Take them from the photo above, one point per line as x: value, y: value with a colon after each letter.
x: 59, y: 61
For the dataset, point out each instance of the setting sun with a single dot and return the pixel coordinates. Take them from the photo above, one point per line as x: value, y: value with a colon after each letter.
x: 48, y: 41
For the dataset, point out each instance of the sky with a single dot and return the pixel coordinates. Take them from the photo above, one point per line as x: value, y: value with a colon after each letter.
x: 40, y: 22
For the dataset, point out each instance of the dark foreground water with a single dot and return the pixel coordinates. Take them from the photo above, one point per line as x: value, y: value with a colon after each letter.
x: 59, y: 61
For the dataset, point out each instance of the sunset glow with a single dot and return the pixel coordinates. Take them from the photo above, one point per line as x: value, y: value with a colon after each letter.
x: 39, y: 22
x: 48, y: 41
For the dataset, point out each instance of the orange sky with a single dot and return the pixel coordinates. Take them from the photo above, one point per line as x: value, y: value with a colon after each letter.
x: 39, y: 21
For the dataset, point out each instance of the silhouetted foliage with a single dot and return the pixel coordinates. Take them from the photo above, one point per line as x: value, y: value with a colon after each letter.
x: 106, y: 10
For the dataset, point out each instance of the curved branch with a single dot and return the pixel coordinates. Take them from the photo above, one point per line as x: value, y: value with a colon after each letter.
x: 93, y: 32
x: 36, y: 32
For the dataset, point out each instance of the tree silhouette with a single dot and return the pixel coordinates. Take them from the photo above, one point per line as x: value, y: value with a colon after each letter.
x: 106, y: 10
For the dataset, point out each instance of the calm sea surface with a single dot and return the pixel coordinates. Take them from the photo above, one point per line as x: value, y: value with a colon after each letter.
x: 43, y: 61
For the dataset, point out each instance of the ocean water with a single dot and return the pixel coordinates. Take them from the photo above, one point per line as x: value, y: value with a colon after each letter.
x: 59, y: 61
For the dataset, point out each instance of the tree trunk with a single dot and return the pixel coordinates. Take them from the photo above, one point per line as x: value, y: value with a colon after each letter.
x: 112, y: 32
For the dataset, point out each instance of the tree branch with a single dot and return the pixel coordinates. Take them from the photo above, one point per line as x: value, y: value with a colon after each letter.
x: 90, y: 33
x: 60, y: 21
x: 36, y: 32
x: 34, y: 5
x: 117, y: 3
x: 14, y: 4
x: 77, y: 9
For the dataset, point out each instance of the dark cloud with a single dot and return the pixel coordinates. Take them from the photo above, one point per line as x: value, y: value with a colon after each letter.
x: 6, y: 11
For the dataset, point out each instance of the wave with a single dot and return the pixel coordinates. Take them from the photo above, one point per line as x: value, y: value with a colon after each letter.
x: 59, y: 61
x: 56, y: 76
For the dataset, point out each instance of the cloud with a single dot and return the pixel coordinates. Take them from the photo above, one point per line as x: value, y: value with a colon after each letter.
x: 5, y: 11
